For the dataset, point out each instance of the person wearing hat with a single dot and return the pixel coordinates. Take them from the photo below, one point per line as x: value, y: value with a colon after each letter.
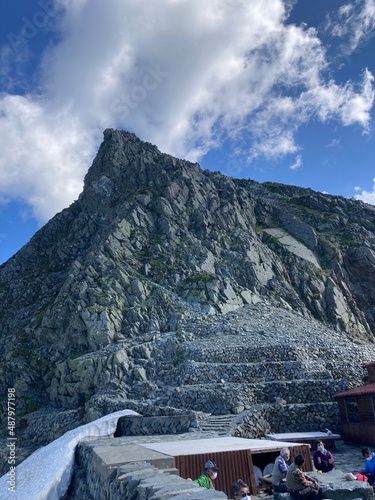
x: 208, y: 476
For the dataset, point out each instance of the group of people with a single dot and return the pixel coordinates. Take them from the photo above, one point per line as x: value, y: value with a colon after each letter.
x: 240, y: 489
x: 291, y: 478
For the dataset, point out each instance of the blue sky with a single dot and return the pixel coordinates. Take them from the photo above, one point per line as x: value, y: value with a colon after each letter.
x: 269, y: 90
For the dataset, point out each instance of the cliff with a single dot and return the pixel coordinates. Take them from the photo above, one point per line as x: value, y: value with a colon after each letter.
x: 102, y: 299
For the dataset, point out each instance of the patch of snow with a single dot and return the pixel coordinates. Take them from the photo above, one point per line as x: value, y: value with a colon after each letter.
x: 46, y: 473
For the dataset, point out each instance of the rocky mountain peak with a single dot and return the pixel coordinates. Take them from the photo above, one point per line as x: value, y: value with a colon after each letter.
x: 154, y: 243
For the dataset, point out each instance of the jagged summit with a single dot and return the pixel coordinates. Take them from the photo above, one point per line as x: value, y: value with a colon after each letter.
x: 122, y: 154
x: 154, y: 242
x: 123, y: 165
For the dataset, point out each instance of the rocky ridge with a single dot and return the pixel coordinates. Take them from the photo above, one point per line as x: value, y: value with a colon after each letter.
x: 167, y: 288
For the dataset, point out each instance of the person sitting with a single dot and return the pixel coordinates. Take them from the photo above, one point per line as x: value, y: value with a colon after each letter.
x: 279, y: 471
x: 323, y: 459
x: 208, y: 476
x: 369, y: 468
x: 299, y: 484
x: 240, y: 490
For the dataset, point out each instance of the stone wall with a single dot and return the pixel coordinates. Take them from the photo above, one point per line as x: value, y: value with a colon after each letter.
x: 142, y: 480
x: 134, y: 480
x: 265, y: 419
x: 148, y: 426
x: 224, y: 398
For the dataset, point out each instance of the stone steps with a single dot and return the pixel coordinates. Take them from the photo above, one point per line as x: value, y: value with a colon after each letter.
x: 221, y: 399
x: 225, y: 376
x: 218, y: 423
x: 239, y: 350
x: 191, y: 371
x: 227, y: 387
x: 231, y: 394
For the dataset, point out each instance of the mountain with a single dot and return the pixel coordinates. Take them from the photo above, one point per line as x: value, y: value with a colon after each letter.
x: 104, y: 301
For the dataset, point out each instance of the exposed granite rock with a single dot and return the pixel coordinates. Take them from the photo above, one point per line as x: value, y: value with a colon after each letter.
x: 162, y: 279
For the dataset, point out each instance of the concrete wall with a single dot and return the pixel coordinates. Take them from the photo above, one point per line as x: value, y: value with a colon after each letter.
x: 143, y: 473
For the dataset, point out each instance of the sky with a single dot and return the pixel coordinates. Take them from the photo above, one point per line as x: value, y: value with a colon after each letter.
x: 269, y: 90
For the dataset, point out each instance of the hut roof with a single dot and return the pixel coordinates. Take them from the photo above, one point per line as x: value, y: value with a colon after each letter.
x: 364, y: 390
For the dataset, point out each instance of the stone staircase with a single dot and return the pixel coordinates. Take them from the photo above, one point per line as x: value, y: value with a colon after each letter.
x: 217, y: 423
x: 243, y: 373
x: 236, y: 379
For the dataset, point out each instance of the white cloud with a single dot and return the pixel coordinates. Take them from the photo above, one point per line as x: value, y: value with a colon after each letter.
x: 180, y: 74
x: 355, y: 24
x: 297, y: 163
x: 335, y: 143
x: 44, y: 155
x: 343, y: 103
x: 366, y: 196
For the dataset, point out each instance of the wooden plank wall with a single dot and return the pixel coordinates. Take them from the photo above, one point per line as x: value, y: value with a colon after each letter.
x: 366, y: 412
x: 359, y: 434
x: 303, y: 449
x: 363, y: 432
x: 233, y: 465
x: 341, y: 405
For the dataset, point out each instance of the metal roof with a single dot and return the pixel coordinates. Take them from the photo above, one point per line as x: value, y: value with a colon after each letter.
x: 365, y: 390
x: 218, y: 444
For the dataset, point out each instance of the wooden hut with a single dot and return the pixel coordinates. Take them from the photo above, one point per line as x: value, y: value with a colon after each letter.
x: 357, y: 411
x: 236, y: 457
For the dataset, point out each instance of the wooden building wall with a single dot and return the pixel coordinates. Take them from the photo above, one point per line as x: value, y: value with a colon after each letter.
x: 371, y: 373
x: 361, y: 432
x: 238, y: 464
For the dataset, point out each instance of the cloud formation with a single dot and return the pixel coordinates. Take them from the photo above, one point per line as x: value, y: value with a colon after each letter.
x: 355, y: 24
x: 366, y: 196
x: 182, y: 74
x: 297, y: 163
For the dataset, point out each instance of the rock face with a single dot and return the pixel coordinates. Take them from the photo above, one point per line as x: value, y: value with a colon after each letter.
x: 107, y: 299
